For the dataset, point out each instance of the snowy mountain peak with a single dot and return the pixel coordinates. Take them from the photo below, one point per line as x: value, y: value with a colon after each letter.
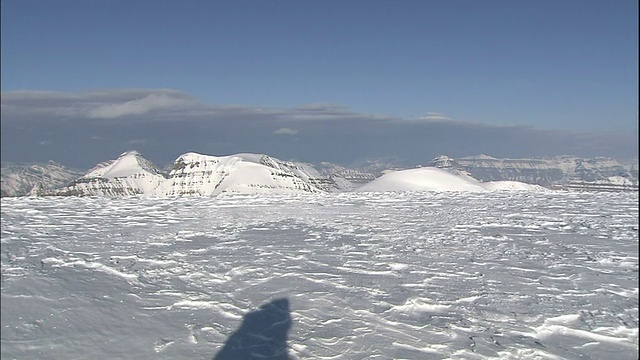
x: 129, y: 152
x: 128, y: 163
x: 206, y: 175
x: 130, y: 174
x: 19, y: 180
x: 198, y: 174
x: 482, y: 157
x: 442, y: 158
x: 420, y: 179
x: 435, y: 179
x: 191, y: 156
x: 248, y: 173
x: 444, y: 162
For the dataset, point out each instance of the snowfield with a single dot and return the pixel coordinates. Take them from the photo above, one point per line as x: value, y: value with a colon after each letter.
x: 405, y: 275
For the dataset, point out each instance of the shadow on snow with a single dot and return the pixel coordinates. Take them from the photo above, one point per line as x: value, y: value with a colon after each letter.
x: 262, y: 335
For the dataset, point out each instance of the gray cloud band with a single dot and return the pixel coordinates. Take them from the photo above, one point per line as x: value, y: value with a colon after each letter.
x: 87, y: 127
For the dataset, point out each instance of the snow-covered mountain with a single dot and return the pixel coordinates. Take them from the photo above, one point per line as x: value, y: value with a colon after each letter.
x: 564, y: 172
x: 130, y: 174
x: 346, y: 178
x: 198, y: 174
x: 436, y: 179
x: 205, y: 175
x: 23, y: 179
x: 420, y: 179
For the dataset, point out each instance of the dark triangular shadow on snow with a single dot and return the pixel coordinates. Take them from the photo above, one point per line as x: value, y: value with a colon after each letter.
x: 262, y: 335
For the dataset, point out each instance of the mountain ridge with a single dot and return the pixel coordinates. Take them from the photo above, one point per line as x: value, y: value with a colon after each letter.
x: 559, y: 172
x: 131, y: 174
x: 193, y: 174
x: 22, y: 179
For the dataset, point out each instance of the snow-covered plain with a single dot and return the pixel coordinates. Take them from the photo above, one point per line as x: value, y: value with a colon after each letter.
x: 408, y: 275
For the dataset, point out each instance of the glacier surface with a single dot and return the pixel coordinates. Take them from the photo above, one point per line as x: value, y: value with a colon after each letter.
x: 407, y: 275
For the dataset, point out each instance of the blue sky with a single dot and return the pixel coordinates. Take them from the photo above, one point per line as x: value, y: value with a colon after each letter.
x: 563, y: 68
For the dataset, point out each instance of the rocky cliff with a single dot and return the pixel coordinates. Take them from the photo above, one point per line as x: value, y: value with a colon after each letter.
x: 561, y: 172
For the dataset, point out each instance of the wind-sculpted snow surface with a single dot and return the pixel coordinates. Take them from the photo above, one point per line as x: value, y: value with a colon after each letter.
x: 459, y: 275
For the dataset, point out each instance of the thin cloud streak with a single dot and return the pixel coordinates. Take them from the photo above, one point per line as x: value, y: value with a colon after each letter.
x: 285, y: 131
x: 145, y: 105
x: 105, y: 104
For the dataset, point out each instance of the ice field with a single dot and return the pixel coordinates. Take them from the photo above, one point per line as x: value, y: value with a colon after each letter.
x: 442, y: 275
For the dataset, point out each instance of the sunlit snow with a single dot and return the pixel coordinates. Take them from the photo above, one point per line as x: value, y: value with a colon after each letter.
x: 407, y: 275
x: 435, y: 179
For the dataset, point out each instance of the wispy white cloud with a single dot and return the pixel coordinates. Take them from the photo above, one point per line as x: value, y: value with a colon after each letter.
x: 327, y: 112
x: 152, y: 102
x: 285, y: 131
x: 157, y: 105
x: 104, y: 104
x: 430, y: 117
x: 434, y: 116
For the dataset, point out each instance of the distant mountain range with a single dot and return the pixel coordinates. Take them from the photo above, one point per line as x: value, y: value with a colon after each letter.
x: 20, y: 179
x: 206, y: 175
x: 561, y: 172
